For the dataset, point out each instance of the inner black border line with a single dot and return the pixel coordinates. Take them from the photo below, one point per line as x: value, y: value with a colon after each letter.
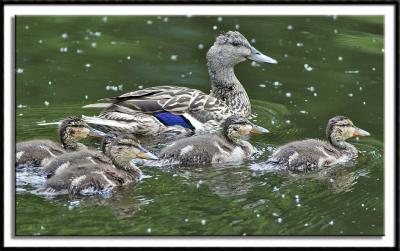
x: 395, y: 4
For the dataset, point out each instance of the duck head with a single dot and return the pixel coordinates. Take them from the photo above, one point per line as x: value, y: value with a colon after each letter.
x: 237, y: 127
x: 341, y: 128
x: 73, y: 129
x: 232, y: 48
x: 125, y: 148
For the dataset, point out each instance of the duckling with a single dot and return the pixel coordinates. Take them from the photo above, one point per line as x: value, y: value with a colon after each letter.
x: 39, y: 152
x: 313, y: 154
x: 153, y: 110
x: 212, y: 148
x: 94, y: 178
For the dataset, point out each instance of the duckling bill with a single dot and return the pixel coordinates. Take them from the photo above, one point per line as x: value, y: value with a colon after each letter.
x: 313, y: 154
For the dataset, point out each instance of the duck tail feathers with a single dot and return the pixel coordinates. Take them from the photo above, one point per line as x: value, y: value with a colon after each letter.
x: 98, y: 105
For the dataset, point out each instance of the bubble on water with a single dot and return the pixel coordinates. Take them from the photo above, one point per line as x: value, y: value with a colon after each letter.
x: 315, y: 94
x: 350, y: 94
x: 254, y: 64
x: 21, y: 114
x: 307, y: 67
x: 149, y: 230
x: 298, y: 205
x: 303, y: 112
x: 79, y: 51
x: 104, y: 19
x: 20, y: 70
x: 203, y: 222
x: 275, y: 214
x: 93, y: 45
x: 262, y: 85
x: 306, y: 224
x: 140, y: 86
x: 86, y: 96
x: 290, y: 27
x: 279, y: 220
x: 311, y: 88
x: 46, y: 103
x: 64, y: 35
x: 364, y: 103
x: 335, y: 31
x: 299, y: 44
x: 258, y: 215
x: 253, y: 40
x: 149, y: 22
x: 373, y: 68
x: 340, y: 58
x: 128, y: 57
x: 237, y: 26
x: 50, y: 82
x: 275, y: 189
x: 276, y: 84
x: 186, y: 220
x: 286, y: 55
x: 360, y: 88
x: 287, y: 122
x: 331, y: 222
x: 88, y: 65
x: 283, y: 196
x: 383, y: 50
x: 174, y: 57
x: 40, y: 41
x: 22, y: 106
x: 200, y: 46
x: 215, y: 27
x: 97, y: 34
x: 352, y: 71
x: 362, y: 204
x: 165, y: 19
x: 219, y: 19
x: 288, y: 94
x: 182, y: 75
x: 64, y: 49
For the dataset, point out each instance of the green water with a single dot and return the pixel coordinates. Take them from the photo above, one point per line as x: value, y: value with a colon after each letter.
x: 327, y: 66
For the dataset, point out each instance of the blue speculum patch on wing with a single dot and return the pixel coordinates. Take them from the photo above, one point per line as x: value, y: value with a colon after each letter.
x: 170, y: 119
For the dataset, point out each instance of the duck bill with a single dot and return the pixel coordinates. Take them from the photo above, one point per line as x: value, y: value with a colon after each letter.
x: 360, y: 132
x: 258, y: 130
x: 257, y: 56
x: 144, y: 154
x: 96, y: 133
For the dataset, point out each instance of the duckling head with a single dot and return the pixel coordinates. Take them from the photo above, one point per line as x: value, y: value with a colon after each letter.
x: 341, y: 128
x: 231, y: 48
x: 125, y: 148
x: 73, y: 129
x: 237, y: 127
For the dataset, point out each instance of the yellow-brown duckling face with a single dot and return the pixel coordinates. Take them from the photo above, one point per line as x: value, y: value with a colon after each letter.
x: 75, y: 129
x: 341, y: 128
x: 127, y: 147
x: 237, y: 127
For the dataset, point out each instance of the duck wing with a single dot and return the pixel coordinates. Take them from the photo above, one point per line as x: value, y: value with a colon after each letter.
x: 174, y: 99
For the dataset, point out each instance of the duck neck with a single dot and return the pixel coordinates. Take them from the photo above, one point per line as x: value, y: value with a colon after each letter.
x: 226, y: 87
x: 246, y: 146
x: 72, y: 145
x: 343, y: 145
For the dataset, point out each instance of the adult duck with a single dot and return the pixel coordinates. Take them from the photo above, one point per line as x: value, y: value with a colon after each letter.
x: 39, y: 152
x: 174, y: 109
x: 93, y: 178
x: 313, y: 154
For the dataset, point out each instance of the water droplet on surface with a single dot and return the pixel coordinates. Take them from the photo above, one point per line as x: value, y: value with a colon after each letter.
x: 88, y: 65
x: 237, y: 26
x: 174, y: 57
x: 20, y: 70
x: 203, y: 222
x: 299, y: 44
x: 219, y: 19
x: 262, y: 85
x: 288, y: 94
x: 279, y: 220
x: 340, y: 58
x: 165, y: 19
x: 200, y: 46
x: 149, y: 22
x: 93, y: 45
x: 253, y: 40
x: 350, y: 94
x: 104, y: 19
x: 46, y: 103
x: 331, y: 222
x: 215, y: 27
x: 290, y: 27
x: 149, y: 230
x: 64, y: 35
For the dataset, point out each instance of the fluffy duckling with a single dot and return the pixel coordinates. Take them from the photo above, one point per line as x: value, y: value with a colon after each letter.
x: 313, y: 154
x: 39, y: 152
x: 205, y: 149
x: 93, y: 178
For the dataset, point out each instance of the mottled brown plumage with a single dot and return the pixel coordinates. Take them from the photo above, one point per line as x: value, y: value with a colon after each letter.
x: 134, y: 111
